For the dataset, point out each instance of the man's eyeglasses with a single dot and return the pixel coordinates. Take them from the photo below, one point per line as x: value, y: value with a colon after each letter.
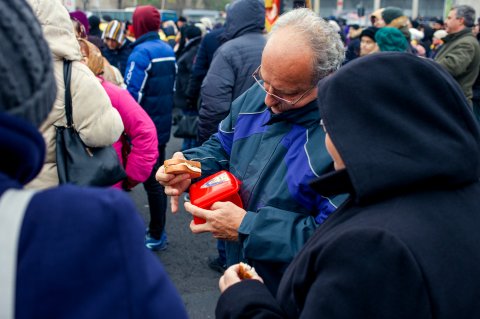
x: 258, y: 78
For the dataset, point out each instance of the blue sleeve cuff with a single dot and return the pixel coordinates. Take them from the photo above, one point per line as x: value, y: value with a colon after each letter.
x: 247, y: 223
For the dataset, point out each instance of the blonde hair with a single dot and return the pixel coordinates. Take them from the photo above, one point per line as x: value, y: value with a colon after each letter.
x: 94, y: 56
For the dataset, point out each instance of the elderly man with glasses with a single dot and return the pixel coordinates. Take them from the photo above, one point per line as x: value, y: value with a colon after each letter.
x: 266, y: 142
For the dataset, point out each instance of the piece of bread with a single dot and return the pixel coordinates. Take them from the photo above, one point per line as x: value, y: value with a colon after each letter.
x: 181, y: 166
x: 245, y: 271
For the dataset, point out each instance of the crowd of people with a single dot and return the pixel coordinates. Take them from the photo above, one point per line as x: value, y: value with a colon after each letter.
x: 357, y: 149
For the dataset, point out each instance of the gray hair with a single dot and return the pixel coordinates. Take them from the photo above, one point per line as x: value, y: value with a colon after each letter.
x: 467, y: 13
x: 324, y: 41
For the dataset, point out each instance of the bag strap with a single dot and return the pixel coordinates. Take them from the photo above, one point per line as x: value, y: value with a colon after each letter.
x: 67, y: 74
x: 13, y: 205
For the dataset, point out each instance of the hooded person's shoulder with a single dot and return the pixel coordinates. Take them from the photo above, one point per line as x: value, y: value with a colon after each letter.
x: 244, y: 16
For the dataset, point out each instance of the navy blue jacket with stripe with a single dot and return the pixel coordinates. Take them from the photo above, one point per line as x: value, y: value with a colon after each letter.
x: 150, y: 79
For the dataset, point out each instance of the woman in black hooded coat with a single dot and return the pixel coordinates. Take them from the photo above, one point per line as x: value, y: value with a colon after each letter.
x: 406, y: 244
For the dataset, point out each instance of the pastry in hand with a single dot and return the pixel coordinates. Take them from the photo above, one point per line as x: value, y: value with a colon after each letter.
x: 245, y: 271
x: 181, y: 166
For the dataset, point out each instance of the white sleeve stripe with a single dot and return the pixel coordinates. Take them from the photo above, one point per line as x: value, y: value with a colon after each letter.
x: 163, y: 59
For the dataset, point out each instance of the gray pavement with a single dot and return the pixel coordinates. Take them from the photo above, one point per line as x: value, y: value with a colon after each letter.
x: 185, y: 259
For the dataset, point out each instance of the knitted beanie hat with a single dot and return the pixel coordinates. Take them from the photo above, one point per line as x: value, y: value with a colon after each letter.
x: 391, y: 13
x: 114, y: 30
x: 391, y: 39
x: 28, y: 87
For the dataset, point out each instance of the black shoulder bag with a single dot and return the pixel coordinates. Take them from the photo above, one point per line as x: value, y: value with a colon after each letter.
x: 77, y: 163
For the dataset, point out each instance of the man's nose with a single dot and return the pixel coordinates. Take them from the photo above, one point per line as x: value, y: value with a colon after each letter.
x: 270, y: 101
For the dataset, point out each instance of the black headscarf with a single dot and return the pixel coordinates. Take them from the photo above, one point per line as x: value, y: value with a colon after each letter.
x: 400, y: 123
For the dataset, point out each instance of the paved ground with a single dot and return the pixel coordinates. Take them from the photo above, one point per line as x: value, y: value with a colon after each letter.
x: 186, y: 257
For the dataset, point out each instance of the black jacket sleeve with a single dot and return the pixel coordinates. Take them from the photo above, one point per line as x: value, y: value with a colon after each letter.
x: 247, y: 299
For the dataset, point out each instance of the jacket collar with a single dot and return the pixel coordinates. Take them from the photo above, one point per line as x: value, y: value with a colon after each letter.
x: 304, y: 116
x: 456, y: 35
x: 150, y: 36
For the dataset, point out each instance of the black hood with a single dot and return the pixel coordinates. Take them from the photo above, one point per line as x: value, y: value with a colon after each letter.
x: 244, y: 16
x: 401, y: 124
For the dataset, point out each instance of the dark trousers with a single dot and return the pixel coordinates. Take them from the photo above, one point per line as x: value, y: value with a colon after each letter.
x: 157, y: 200
x: 221, y: 251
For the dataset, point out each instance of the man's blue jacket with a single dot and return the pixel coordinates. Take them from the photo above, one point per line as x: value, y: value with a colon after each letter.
x: 150, y: 79
x: 275, y: 156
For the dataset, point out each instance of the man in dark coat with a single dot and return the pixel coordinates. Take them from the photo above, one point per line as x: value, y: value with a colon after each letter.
x: 193, y: 36
x: 208, y: 46
x: 185, y: 63
x: 234, y: 62
x: 406, y: 243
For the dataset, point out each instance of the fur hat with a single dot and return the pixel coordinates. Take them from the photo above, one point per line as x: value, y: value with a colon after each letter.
x: 28, y: 87
x: 369, y: 32
x: 114, y: 30
x: 391, y: 39
x: 391, y: 13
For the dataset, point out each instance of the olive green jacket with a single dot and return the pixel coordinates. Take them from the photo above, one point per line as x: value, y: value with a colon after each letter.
x: 460, y: 55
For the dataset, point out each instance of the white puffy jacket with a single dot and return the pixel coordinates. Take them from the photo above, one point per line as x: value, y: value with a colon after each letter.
x: 98, y: 123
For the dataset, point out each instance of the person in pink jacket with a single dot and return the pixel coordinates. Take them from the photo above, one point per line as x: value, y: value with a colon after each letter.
x: 137, y: 146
